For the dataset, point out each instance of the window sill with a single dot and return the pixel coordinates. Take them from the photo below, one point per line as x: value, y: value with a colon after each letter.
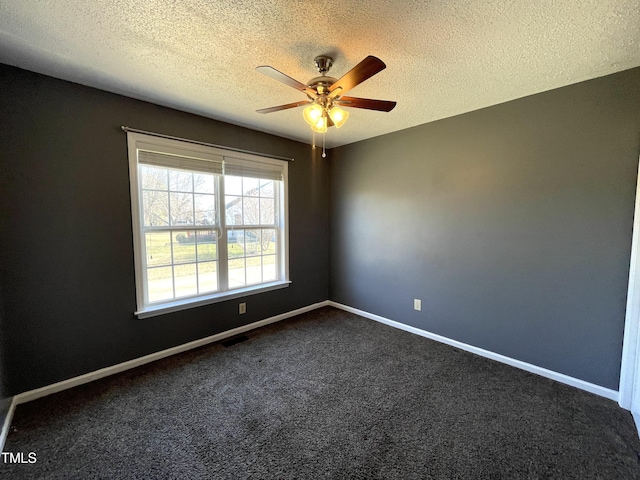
x: 178, y: 305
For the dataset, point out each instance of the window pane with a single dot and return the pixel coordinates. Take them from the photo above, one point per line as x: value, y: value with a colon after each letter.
x: 203, y: 183
x: 181, y: 208
x: 153, y: 178
x: 251, y: 211
x: 207, y: 245
x: 160, y: 282
x: 186, y: 282
x: 233, y: 210
x: 235, y: 243
x: 268, y: 241
x: 158, y: 246
x: 155, y: 208
x: 250, y: 187
x: 269, y: 268
x: 184, y: 247
x: 208, y: 277
x: 180, y: 181
x: 205, y: 209
x: 232, y: 185
x: 267, y: 211
x: 266, y: 188
x: 251, y: 242
x: 254, y: 270
x: 236, y: 273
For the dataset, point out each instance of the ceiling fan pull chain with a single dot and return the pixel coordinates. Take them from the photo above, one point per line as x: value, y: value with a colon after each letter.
x: 324, y: 154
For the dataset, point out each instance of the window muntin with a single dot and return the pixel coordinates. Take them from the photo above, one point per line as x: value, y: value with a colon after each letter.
x: 206, y: 226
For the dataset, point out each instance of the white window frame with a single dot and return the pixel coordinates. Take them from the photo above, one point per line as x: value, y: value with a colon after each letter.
x: 139, y: 141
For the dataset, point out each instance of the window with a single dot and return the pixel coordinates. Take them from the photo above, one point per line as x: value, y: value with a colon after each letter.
x: 209, y: 224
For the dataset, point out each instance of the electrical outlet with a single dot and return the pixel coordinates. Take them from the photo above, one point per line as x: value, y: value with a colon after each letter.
x: 242, y: 308
x: 417, y: 304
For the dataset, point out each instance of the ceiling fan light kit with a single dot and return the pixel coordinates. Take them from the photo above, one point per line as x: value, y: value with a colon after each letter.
x: 325, y: 94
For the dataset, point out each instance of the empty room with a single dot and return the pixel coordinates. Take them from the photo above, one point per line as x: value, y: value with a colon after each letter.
x: 285, y: 239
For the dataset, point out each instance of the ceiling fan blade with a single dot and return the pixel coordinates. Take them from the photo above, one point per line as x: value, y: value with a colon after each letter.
x: 367, y: 68
x: 369, y: 104
x: 286, y: 79
x: 283, y: 107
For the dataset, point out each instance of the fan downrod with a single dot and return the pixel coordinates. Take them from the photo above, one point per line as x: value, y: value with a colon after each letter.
x: 323, y: 63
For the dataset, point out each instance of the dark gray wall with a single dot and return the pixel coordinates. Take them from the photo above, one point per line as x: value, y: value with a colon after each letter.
x: 512, y: 224
x: 5, y: 405
x: 5, y: 399
x: 66, y: 256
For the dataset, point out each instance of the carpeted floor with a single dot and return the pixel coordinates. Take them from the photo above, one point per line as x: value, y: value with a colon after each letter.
x: 325, y: 395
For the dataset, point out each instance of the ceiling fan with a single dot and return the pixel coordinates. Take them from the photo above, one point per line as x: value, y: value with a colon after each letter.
x: 326, y: 94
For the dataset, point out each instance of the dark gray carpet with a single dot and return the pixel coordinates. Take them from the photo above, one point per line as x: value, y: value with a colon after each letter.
x: 327, y: 395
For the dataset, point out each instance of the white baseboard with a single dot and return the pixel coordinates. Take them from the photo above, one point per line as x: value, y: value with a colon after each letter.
x: 136, y: 362
x: 560, y: 377
x: 7, y: 423
x: 636, y: 418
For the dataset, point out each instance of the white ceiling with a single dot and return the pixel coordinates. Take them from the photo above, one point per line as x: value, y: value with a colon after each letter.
x: 443, y: 57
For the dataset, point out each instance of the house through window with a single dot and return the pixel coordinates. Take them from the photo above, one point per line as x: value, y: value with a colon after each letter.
x: 208, y: 224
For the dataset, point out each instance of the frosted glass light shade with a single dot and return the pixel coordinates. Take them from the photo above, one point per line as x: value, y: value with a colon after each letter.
x: 338, y: 116
x: 320, y: 126
x: 312, y: 114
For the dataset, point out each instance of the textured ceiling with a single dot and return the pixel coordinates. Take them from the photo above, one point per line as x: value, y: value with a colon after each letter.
x: 443, y: 57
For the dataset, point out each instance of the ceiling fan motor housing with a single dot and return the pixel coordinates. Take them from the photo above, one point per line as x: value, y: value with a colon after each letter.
x: 322, y: 83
